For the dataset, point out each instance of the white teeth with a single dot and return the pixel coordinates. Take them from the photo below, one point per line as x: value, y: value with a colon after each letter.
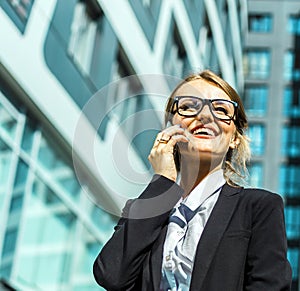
x: 203, y: 130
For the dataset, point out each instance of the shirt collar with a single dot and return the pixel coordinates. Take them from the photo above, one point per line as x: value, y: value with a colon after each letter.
x: 208, y: 186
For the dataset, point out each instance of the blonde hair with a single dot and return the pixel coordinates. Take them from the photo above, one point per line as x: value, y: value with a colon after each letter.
x: 235, y: 169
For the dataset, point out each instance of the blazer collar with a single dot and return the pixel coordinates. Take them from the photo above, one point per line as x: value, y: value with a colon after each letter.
x: 213, y: 232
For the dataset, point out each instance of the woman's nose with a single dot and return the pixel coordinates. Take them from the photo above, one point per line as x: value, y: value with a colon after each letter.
x: 205, y: 114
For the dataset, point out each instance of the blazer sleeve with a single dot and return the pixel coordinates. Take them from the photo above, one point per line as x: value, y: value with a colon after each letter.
x: 119, y: 263
x: 267, y: 267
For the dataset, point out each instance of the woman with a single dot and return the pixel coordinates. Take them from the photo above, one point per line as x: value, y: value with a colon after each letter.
x: 195, y: 227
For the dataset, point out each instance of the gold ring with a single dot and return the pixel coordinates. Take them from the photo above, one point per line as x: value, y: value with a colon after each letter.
x: 163, y: 140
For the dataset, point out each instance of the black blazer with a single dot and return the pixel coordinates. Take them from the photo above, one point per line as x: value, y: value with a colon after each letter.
x: 243, y: 245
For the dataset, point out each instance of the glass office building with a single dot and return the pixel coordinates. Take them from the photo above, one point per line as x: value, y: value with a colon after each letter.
x: 272, y: 100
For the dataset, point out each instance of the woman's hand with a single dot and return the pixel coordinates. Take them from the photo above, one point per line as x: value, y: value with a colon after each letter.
x: 161, y: 156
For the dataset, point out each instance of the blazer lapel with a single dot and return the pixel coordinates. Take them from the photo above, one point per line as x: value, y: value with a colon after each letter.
x: 156, y: 258
x: 213, y: 232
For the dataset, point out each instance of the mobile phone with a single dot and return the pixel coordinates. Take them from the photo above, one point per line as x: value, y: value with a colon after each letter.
x: 176, y: 156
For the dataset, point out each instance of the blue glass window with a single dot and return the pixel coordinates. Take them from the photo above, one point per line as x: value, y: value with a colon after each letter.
x: 256, y: 133
x: 260, y: 22
x: 293, y: 257
x: 176, y: 61
x: 10, y: 241
x: 290, y: 145
x: 288, y: 65
x: 18, y: 11
x: 291, y: 102
x: 256, y: 98
x: 5, y: 170
x: 39, y: 191
x: 257, y: 64
x: 290, y: 72
x: 293, y: 25
x: 255, y: 174
x: 53, y: 161
x: 292, y: 219
x: 147, y: 13
x: 289, y: 182
x: 28, y: 135
x: 85, y: 38
x: 8, y: 122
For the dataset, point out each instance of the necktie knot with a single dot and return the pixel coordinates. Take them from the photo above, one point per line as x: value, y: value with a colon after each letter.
x: 183, y: 215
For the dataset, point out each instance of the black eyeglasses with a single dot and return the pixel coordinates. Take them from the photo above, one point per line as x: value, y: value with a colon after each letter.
x: 190, y: 106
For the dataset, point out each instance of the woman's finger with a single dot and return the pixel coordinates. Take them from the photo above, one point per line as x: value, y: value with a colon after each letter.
x: 164, y: 136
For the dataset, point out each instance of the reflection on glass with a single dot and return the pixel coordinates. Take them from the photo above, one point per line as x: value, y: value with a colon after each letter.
x: 87, y: 249
x: 60, y: 170
x: 256, y: 174
x: 48, y: 239
x: 102, y: 220
x: 289, y: 182
x: 290, y: 141
x: 261, y: 23
x: 21, y: 176
x: 293, y: 257
x: 7, y: 122
x: 5, y: 168
x: 257, y: 64
x: 293, y: 25
x: 41, y: 192
x: 45, y: 243
x: 292, y: 218
x: 288, y: 65
x: 28, y: 135
x: 256, y: 134
x: 291, y: 102
x: 255, y: 100
x: 9, y: 242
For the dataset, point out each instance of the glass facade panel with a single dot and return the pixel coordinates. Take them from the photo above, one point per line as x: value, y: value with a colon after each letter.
x: 292, y: 219
x: 147, y: 13
x: 18, y: 11
x: 256, y: 99
x: 257, y: 64
x: 288, y: 65
x: 256, y: 176
x: 256, y: 133
x: 260, y: 23
x: 8, y: 123
x: 85, y: 37
x: 9, y: 242
x: 176, y: 61
x: 293, y: 25
x: 290, y: 145
x: 289, y: 182
x: 102, y: 219
x: 294, y: 257
x: 48, y: 241
x: 291, y: 102
x: 61, y: 172
x: 290, y: 72
x: 5, y: 170
x: 28, y: 136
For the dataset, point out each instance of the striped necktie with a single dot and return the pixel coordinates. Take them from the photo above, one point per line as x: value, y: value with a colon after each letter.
x: 181, y: 245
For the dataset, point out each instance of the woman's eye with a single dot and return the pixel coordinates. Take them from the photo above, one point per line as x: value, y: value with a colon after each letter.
x: 221, y: 110
x: 189, y: 105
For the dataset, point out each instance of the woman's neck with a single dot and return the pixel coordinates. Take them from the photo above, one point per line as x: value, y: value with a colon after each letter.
x: 193, y: 171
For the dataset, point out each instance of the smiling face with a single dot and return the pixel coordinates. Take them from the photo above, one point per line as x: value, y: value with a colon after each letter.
x: 209, y: 136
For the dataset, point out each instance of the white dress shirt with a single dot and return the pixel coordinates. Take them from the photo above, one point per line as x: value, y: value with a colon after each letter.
x: 186, y: 224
